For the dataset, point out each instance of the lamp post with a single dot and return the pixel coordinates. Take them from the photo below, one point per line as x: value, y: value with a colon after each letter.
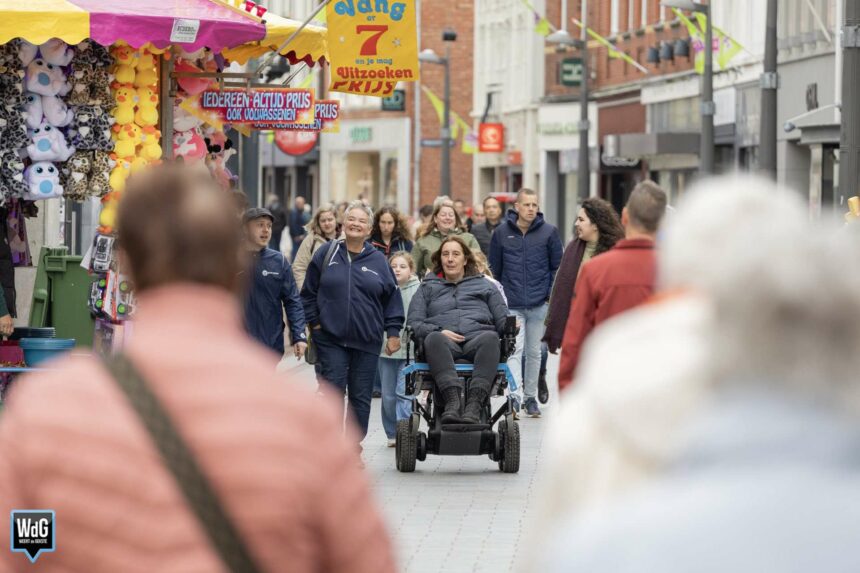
x: 430, y: 57
x: 563, y: 38
x: 706, y: 153
x: 769, y: 84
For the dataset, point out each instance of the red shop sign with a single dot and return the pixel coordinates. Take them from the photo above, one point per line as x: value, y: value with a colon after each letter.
x: 491, y: 138
x: 295, y: 142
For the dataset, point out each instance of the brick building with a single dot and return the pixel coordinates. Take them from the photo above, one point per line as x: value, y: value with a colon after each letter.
x: 377, y: 150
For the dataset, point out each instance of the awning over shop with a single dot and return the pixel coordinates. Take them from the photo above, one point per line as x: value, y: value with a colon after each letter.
x: 309, y: 46
x: 192, y: 24
x: 38, y: 21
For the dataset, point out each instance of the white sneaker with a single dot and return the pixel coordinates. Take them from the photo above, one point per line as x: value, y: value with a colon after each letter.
x: 392, y: 442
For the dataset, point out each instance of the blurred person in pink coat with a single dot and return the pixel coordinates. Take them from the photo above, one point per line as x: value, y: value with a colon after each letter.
x: 274, y: 454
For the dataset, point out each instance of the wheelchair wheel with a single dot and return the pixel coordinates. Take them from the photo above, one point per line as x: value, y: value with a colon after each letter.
x: 509, y: 433
x: 407, y: 447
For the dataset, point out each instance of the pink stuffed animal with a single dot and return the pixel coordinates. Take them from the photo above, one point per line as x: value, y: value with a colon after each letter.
x: 189, y: 145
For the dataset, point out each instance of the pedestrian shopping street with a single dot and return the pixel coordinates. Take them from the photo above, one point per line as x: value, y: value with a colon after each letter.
x: 454, y: 514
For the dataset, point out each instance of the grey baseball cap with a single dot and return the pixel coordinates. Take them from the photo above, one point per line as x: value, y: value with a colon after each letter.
x: 256, y: 213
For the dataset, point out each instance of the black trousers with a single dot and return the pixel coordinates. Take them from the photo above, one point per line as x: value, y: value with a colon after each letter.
x: 482, y: 350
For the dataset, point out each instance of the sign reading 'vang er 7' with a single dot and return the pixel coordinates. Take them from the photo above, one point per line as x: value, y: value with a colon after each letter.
x: 373, y: 44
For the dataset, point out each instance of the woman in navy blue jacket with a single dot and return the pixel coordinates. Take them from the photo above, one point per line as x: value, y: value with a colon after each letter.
x: 351, y: 298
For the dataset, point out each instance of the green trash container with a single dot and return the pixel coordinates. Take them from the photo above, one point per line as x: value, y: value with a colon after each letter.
x: 63, y: 302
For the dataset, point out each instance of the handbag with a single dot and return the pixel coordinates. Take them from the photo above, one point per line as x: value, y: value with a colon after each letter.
x: 180, y: 461
x: 311, y: 350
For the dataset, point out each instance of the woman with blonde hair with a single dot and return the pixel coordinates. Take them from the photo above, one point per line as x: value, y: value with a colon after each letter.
x: 323, y: 228
x: 444, y: 223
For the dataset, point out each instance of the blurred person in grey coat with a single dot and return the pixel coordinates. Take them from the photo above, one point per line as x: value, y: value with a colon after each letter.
x: 763, y: 472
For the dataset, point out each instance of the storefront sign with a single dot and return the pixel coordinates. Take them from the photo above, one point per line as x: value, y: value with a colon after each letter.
x: 295, y: 142
x: 491, y: 138
x: 395, y: 102
x: 571, y: 72
x: 361, y: 134
x: 261, y: 108
x: 515, y: 158
x: 326, y: 118
x: 373, y: 44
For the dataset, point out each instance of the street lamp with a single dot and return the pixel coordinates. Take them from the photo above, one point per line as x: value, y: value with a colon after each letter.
x: 428, y: 56
x: 708, y: 108
x: 562, y: 37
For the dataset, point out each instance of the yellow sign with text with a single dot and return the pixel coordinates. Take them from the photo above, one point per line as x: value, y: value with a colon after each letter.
x: 373, y: 44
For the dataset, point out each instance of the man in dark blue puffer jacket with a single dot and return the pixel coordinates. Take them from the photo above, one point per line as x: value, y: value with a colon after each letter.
x: 525, y: 253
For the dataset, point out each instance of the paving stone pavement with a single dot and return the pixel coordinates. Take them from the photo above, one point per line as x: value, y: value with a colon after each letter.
x: 455, y: 514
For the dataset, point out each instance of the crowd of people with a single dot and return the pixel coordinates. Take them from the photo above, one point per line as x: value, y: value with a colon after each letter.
x: 707, y: 421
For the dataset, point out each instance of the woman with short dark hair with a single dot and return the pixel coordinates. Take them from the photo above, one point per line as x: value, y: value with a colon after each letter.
x: 457, y: 313
x: 596, y: 230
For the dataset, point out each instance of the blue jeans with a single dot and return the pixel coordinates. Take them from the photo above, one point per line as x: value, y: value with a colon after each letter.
x: 349, y: 371
x: 544, y: 351
x: 396, y: 405
x: 531, y: 322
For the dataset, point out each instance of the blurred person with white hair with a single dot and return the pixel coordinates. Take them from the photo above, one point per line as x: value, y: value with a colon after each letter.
x: 725, y: 440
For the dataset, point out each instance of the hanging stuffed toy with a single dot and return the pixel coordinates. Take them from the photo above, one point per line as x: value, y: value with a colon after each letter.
x: 126, y: 61
x: 91, y: 128
x: 12, y: 173
x: 191, y: 85
x: 56, y: 52
x: 102, y: 165
x: 90, y: 76
x: 77, y: 172
x: 56, y: 112
x: 182, y: 120
x: 147, y: 107
x: 33, y: 109
x: 49, y: 144
x: 27, y: 52
x: 128, y: 137
x: 189, y: 145
x: 150, y: 149
x: 46, y: 79
x: 126, y: 100
x: 120, y: 173
x: 43, y: 181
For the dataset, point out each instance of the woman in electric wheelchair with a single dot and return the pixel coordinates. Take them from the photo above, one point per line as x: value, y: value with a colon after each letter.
x: 459, y: 314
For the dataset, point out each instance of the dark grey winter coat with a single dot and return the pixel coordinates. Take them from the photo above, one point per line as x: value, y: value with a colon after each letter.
x: 469, y: 307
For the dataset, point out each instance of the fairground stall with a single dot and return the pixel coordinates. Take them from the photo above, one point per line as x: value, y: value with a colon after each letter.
x: 95, y: 91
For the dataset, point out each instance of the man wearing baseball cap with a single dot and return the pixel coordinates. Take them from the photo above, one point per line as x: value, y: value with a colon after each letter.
x: 271, y: 289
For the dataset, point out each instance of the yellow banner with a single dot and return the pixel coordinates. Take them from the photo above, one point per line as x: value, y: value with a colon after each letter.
x: 373, y: 44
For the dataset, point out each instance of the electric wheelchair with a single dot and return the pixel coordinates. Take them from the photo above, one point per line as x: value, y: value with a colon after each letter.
x: 502, y: 446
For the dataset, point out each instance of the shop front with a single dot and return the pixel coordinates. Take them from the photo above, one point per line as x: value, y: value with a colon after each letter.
x: 367, y: 159
x: 619, y: 174
x: 558, y: 142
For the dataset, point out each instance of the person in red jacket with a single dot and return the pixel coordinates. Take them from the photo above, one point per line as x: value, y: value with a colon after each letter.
x: 618, y: 280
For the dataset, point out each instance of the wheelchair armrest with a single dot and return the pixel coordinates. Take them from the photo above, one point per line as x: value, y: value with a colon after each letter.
x: 511, y: 328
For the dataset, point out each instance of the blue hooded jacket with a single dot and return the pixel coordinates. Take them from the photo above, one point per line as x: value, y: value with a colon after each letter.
x: 354, y: 301
x: 272, y: 287
x: 525, y: 264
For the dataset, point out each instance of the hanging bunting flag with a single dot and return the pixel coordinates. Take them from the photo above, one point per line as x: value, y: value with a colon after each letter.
x: 697, y: 38
x: 543, y: 27
x: 728, y: 47
x: 614, y: 52
x: 470, y: 139
x: 372, y: 46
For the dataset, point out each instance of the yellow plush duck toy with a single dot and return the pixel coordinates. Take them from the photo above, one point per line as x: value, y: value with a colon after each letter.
x: 126, y: 100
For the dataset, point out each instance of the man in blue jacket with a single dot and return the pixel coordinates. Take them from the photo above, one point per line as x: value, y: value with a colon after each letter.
x: 272, y: 289
x: 525, y: 253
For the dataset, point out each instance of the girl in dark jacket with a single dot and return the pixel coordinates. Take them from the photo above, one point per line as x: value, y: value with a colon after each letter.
x: 596, y: 230
x: 459, y: 314
x: 390, y: 232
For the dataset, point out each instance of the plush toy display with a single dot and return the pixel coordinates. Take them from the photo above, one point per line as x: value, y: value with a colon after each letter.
x: 189, y: 145
x: 127, y: 138
x: 147, y: 107
x: 43, y: 181
x: 56, y: 52
x: 77, y: 173
x: 150, y: 149
x: 56, y: 112
x: 102, y: 165
x: 91, y: 128
x: 46, y: 79
x: 182, y: 120
x: 126, y: 100
x: 27, y: 52
x: 12, y: 174
x: 33, y: 110
x: 126, y: 60
x: 120, y: 173
x: 49, y: 144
